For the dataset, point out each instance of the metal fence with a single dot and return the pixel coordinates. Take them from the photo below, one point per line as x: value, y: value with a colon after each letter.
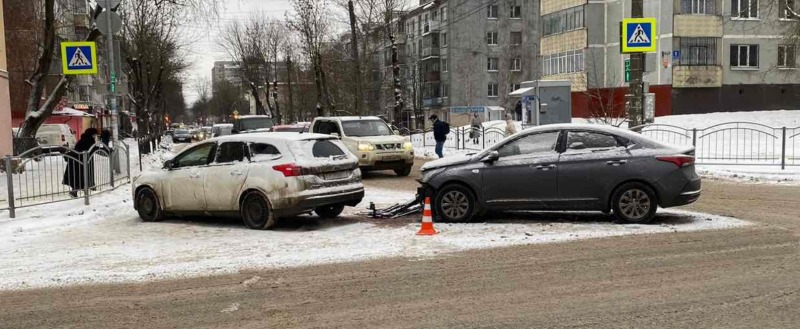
x: 730, y: 143
x: 39, y: 176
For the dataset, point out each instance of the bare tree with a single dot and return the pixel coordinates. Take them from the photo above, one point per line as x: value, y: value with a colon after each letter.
x: 243, y: 42
x: 606, y: 104
x: 310, y: 19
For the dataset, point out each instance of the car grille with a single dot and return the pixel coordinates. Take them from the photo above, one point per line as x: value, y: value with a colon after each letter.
x: 389, y: 146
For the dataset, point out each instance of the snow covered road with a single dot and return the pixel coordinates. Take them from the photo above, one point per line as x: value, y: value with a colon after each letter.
x: 69, y: 243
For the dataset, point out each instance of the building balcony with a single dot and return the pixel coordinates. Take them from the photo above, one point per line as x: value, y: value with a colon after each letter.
x: 432, y: 76
x: 691, y: 25
x: 696, y: 76
x: 433, y: 102
x: 429, y: 52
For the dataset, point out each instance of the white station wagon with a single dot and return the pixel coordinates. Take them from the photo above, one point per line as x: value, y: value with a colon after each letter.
x: 260, y: 177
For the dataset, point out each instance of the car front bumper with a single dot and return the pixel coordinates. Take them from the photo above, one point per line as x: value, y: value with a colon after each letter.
x: 385, y: 160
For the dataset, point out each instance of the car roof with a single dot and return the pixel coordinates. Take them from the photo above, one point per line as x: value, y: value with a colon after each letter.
x: 351, y: 118
x: 252, y: 116
x: 584, y: 126
x: 271, y: 137
x: 223, y: 125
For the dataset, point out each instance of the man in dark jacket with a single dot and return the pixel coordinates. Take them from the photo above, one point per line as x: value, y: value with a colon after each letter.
x: 440, y: 131
x: 73, y: 175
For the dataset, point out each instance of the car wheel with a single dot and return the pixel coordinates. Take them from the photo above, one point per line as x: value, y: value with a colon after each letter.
x: 148, y: 206
x: 454, y: 203
x: 330, y: 211
x: 403, y: 172
x: 255, y: 212
x: 634, y: 203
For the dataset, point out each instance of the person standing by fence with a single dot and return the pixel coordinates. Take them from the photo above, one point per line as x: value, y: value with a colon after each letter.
x: 73, y: 175
x: 475, y: 134
x: 511, y: 126
x: 440, y: 131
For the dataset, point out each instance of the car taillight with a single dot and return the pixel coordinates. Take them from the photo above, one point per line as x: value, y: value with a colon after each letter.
x: 679, y: 160
x: 289, y: 169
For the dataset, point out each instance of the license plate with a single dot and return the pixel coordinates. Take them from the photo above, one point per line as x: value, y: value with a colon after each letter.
x: 335, y: 175
x: 391, y: 158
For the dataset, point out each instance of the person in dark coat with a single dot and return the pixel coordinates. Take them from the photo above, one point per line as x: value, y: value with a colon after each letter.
x: 440, y: 131
x: 73, y: 175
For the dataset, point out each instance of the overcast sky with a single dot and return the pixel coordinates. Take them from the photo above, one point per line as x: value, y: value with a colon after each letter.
x: 203, y: 39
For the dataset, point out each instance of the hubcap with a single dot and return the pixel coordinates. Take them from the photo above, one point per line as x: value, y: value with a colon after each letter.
x: 148, y: 205
x: 455, y: 204
x: 254, y: 211
x: 634, y: 204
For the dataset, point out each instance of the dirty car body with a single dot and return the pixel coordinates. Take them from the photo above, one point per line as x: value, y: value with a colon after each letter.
x: 565, y: 167
x: 293, y: 173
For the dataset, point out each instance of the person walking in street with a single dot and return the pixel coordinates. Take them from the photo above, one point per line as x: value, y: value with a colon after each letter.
x: 440, y: 131
x: 511, y: 126
x: 73, y: 175
x: 475, y: 134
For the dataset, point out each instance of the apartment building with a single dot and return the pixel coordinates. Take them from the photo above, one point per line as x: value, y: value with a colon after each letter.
x: 712, y: 55
x: 465, y: 54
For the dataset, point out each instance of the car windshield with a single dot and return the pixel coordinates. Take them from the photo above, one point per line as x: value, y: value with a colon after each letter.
x: 365, y: 128
x: 181, y: 132
x: 256, y: 123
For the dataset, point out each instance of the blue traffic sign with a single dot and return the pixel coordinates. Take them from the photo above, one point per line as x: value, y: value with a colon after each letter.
x: 638, y: 35
x: 79, y: 57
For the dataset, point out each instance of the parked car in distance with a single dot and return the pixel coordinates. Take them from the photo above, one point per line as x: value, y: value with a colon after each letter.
x: 181, y: 136
x: 565, y: 167
x: 54, y: 135
x: 258, y: 177
x: 252, y: 124
x: 221, y: 129
x: 371, y: 140
x: 295, y: 127
x: 206, y: 131
x: 198, y: 134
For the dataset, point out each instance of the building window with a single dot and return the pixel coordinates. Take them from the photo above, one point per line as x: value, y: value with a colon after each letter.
x: 443, y: 38
x: 786, y: 56
x: 516, y: 11
x: 744, y: 8
x: 562, y: 63
x: 444, y: 13
x: 787, y: 9
x: 491, y: 11
x: 744, y: 56
x: 444, y: 64
x: 563, y: 21
x: 445, y: 90
x: 491, y: 64
x: 434, y: 15
x: 516, y: 38
x: 701, y: 7
x: 515, y: 86
x: 492, y: 92
x: 516, y: 64
x: 491, y: 38
x: 698, y: 51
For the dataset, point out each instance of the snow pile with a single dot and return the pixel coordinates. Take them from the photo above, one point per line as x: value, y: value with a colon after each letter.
x: 69, y: 243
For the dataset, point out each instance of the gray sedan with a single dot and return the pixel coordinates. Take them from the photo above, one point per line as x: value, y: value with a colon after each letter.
x: 564, y: 167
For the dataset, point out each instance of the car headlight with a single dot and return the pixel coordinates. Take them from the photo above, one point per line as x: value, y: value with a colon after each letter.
x: 408, y: 146
x: 365, y: 147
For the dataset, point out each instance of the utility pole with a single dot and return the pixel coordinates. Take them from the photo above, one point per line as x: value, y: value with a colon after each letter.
x: 290, y: 109
x: 112, y: 89
x: 636, y: 103
x: 354, y: 47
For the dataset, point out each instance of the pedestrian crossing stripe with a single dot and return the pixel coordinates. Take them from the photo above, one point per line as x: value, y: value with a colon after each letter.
x: 79, y: 57
x: 638, y: 35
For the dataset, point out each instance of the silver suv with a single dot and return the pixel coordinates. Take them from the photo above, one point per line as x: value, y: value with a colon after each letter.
x: 371, y: 140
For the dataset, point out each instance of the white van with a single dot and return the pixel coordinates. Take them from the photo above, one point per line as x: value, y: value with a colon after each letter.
x: 56, y: 135
x: 221, y: 129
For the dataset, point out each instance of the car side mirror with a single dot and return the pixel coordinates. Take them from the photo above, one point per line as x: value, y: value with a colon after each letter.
x: 577, y: 146
x: 492, y: 157
x: 168, y: 164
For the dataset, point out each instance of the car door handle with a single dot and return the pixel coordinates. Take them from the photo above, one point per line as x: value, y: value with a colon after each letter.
x: 616, y: 162
x: 545, y: 167
x: 236, y: 173
x: 194, y: 175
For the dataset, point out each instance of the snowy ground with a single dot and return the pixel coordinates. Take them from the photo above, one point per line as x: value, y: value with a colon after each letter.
x: 747, y: 143
x: 68, y: 243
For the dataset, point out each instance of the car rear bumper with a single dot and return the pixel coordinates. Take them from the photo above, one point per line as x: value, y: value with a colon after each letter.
x: 350, y: 197
x: 689, y: 194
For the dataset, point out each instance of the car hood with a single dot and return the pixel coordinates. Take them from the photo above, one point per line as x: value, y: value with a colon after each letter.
x: 446, y: 162
x: 379, y: 139
x: 259, y: 130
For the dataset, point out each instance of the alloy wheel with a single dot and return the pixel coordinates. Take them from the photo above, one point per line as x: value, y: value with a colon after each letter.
x: 634, y: 204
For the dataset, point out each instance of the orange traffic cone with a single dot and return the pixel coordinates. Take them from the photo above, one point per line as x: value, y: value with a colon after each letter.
x: 427, y: 220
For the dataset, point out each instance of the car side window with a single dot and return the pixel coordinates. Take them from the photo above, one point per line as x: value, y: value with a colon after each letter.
x: 232, y: 152
x: 257, y: 149
x: 586, y: 140
x: 530, y: 144
x: 197, y: 156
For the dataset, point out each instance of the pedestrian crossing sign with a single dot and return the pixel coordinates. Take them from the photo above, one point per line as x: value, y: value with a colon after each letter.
x: 638, y: 35
x: 79, y: 57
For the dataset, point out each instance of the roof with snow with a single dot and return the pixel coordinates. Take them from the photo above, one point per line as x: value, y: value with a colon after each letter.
x: 70, y: 112
x: 353, y: 118
x: 271, y: 137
